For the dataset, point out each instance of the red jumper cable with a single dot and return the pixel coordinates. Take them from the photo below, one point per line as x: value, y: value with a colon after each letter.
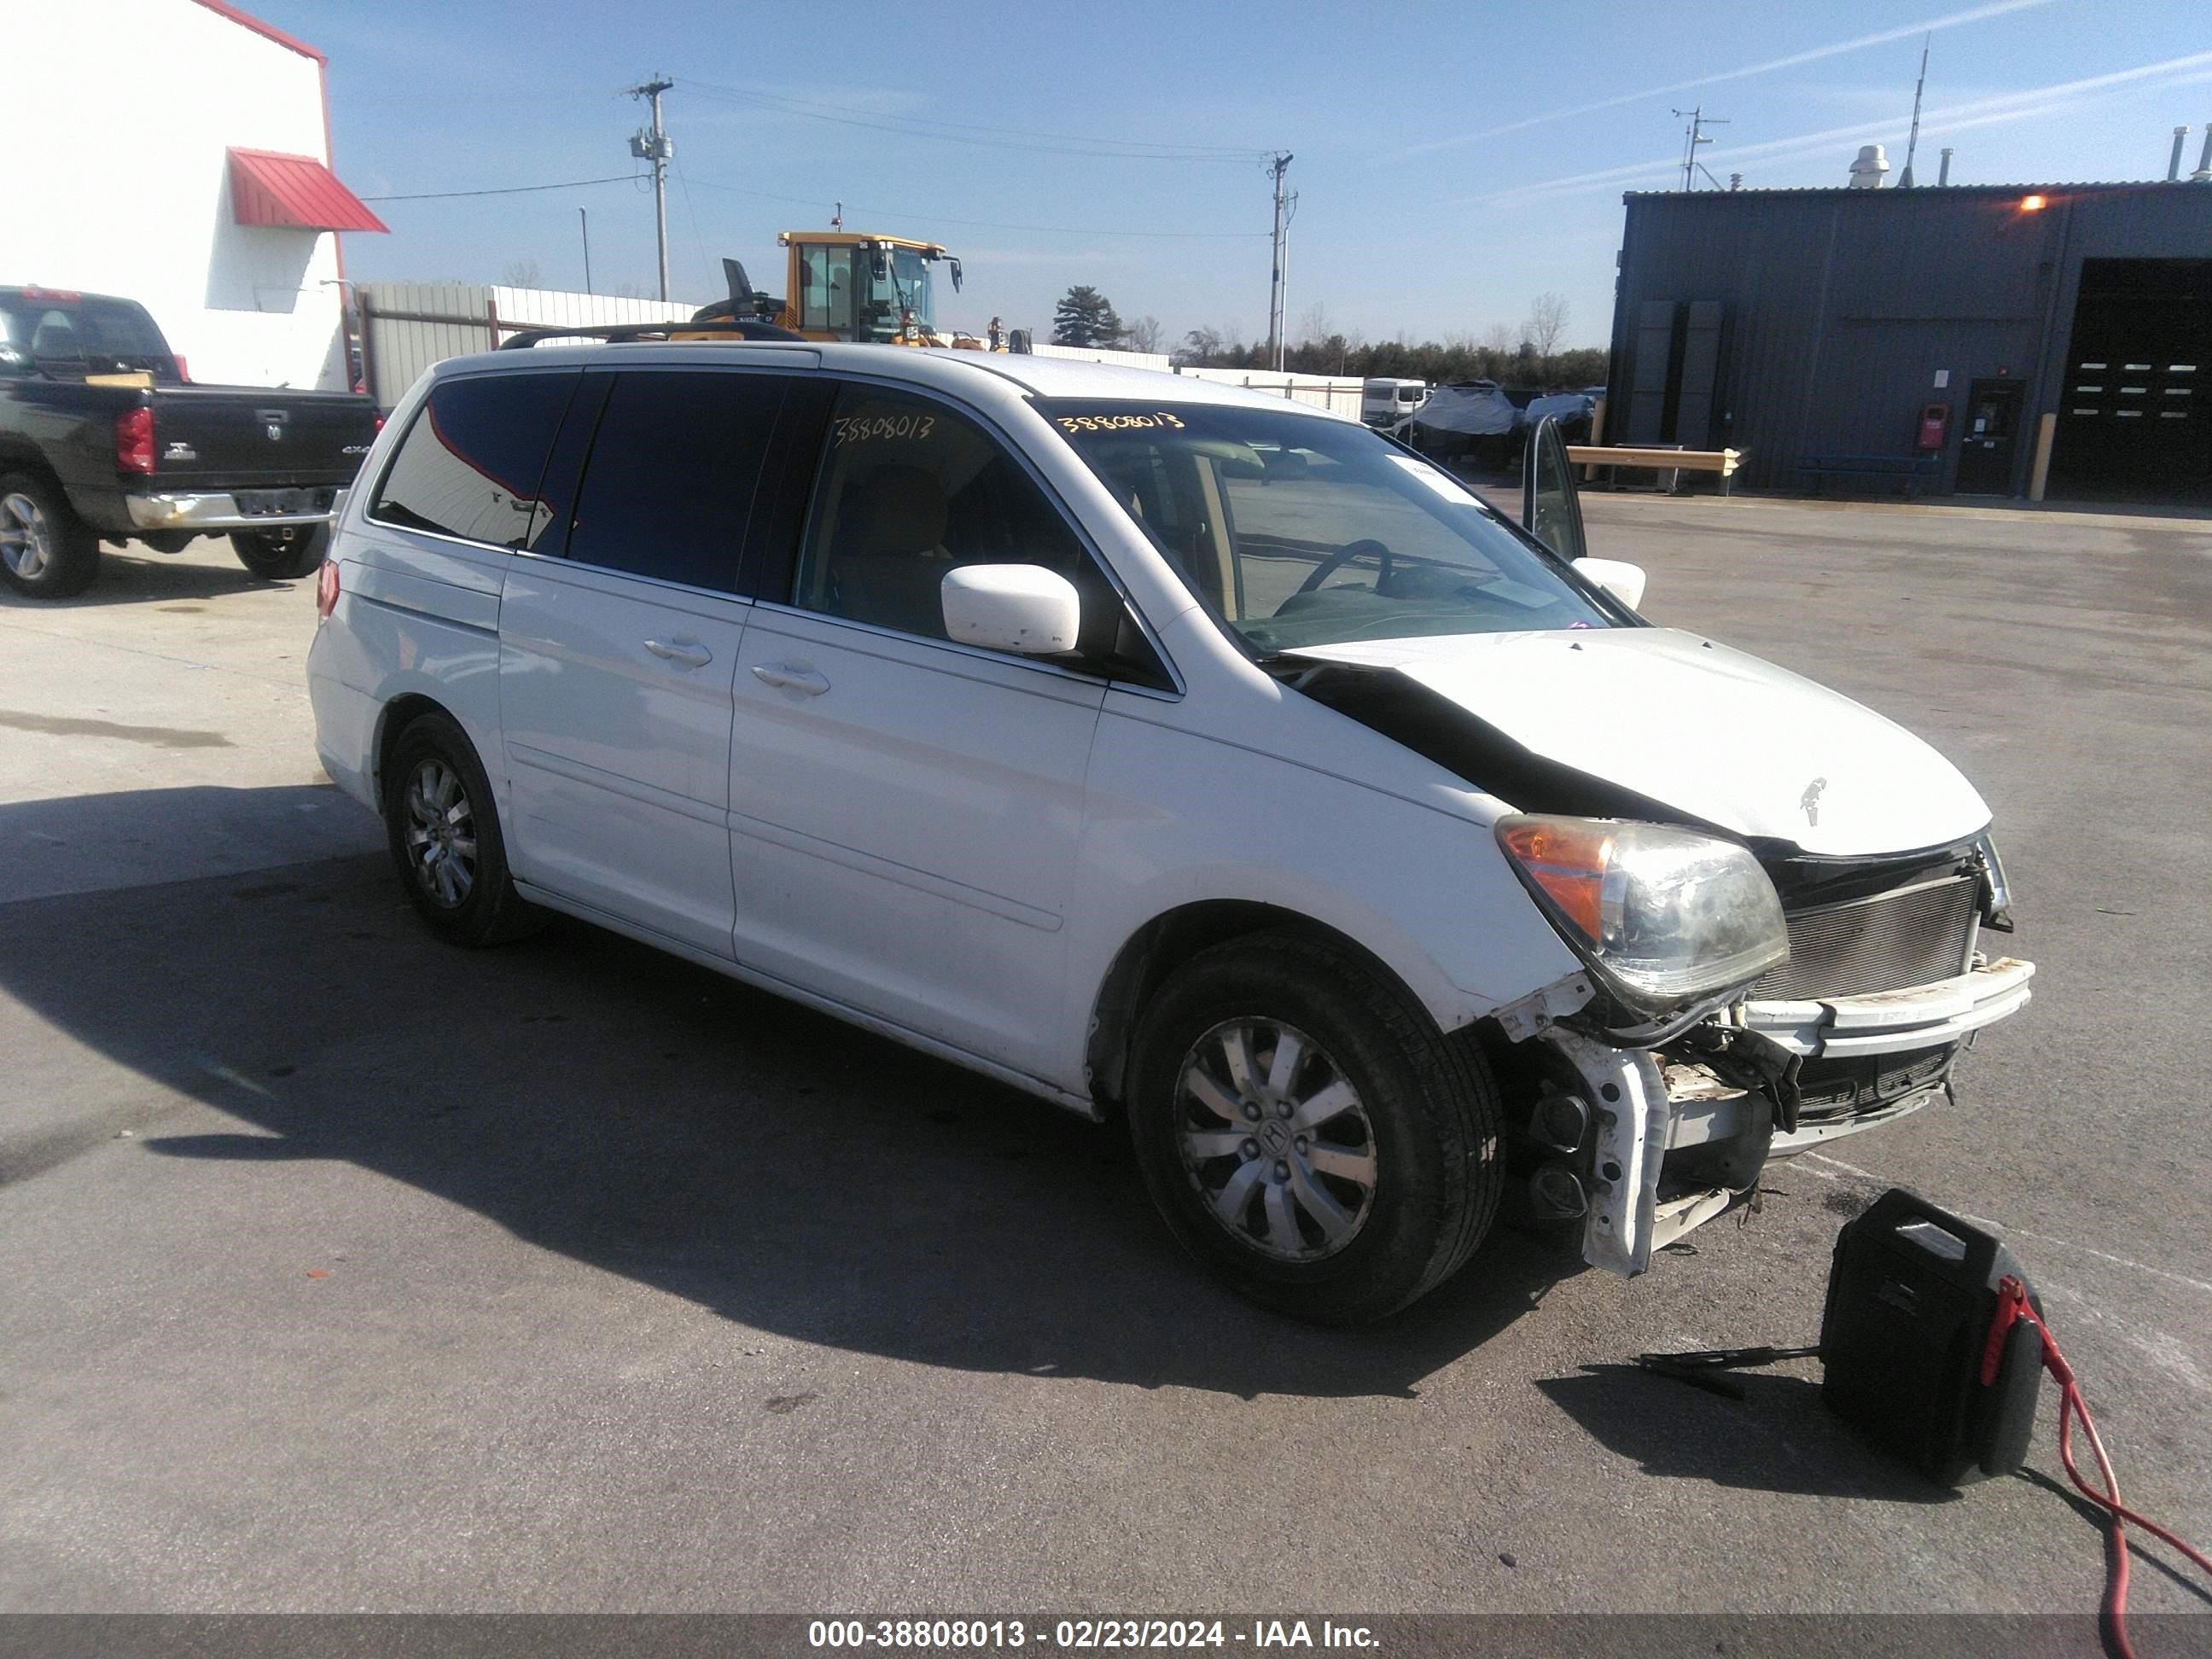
x: 2012, y: 1307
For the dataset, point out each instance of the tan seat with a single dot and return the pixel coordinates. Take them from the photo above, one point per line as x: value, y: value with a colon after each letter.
x: 889, y: 563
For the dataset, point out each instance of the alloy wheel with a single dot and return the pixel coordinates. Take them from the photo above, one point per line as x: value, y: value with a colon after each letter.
x: 441, y: 836
x: 1275, y: 1138
x: 26, y: 540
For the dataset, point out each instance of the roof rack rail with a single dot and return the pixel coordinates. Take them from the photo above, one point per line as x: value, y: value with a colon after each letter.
x: 741, y: 328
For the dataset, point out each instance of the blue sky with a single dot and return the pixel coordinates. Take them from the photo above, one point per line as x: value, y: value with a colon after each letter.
x: 1452, y: 162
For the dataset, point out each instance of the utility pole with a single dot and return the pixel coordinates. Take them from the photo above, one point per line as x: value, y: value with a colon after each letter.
x: 653, y: 144
x: 1693, y: 136
x: 1278, y: 292
x: 584, y: 219
x: 1904, y: 180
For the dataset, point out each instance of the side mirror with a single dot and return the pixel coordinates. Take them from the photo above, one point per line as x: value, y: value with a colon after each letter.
x: 1022, y: 608
x: 1624, y: 582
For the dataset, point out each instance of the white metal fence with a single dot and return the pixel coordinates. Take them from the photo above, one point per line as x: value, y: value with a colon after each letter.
x: 407, y: 326
x: 1335, y: 393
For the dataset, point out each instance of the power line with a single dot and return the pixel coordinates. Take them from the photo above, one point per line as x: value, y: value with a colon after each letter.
x: 987, y: 224
x: 966, y: 132
x: 509, y: 190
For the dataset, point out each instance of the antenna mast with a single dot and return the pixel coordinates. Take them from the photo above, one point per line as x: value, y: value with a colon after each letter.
x: 1693, y: 136
x: 1904, y: 180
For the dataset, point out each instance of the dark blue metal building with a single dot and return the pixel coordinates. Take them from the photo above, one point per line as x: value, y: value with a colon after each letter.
x: 1998, y: 340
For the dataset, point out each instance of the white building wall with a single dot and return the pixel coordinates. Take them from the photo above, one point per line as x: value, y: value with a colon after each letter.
x: 127, y: 190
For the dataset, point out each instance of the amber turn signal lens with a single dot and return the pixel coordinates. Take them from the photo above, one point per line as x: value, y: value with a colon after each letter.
x: 1567, y: 859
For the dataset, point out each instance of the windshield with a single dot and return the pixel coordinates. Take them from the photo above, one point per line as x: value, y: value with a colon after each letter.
x: 88, y: 335
x: 1301, y: 529
x: 904, y: 286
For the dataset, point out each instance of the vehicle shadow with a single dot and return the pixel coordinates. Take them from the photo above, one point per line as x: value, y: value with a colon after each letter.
x: 1778, y: 1437
x: 205, y: 571
x: 655, y: 1120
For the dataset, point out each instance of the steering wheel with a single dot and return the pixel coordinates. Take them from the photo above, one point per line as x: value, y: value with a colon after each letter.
x: 1330, y: 566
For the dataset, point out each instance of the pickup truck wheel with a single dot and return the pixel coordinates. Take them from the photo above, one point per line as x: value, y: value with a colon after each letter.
x: 445, y: 837
x: 280, y: 555
x: 1308, y: 1133
x: 45, y: 550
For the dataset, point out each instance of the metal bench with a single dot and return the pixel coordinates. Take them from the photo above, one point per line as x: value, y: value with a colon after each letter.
x: 1913, y: 469
x: 1721, y: 461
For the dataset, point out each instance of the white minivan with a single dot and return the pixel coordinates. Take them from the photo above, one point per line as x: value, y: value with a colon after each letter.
x: 1160, y: 748
x: 1385, y: 401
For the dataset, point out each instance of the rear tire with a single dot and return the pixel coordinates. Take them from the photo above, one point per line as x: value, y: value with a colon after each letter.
x: 46, y: 552
x: 281, y: 554
x: 1388, y: 1171
x: 443, y: 830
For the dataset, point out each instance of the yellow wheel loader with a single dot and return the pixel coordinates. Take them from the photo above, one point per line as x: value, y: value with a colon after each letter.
x: 849, y: 285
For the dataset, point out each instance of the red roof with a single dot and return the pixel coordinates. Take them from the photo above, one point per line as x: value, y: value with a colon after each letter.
x: 298, y: 190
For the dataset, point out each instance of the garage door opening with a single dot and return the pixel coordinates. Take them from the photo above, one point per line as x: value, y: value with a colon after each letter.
x: 2133, y: 423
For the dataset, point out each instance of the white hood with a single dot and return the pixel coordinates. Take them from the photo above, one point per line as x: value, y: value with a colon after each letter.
x: 1717, y: 734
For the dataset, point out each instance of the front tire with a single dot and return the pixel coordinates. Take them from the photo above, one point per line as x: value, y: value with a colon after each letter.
x: 443, y: 829
x: 46, y: 552
x: 279, y: 555
x: 1309, y: 1133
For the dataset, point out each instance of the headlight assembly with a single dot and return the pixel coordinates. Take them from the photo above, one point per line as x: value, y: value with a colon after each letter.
x: 1665, y: 916
x: 1997, y: 891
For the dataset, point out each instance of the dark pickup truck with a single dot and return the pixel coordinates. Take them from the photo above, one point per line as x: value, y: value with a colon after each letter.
x: 102, y: 439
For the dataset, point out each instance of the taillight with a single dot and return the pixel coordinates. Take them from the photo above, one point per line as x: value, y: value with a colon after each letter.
x: 183, y: 368
x: 380, y: 423
x: 134, y: 440
x: 326, y: 589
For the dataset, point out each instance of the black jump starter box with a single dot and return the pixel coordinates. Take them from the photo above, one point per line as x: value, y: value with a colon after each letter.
x: 1914, y: 1355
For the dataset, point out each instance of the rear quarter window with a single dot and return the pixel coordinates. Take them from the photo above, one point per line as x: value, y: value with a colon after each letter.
x: 472, y: 463
x: 669, y: 489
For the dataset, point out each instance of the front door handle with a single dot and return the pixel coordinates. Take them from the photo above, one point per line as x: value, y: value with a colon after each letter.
x: 685, y: 654
x: 785, y: 677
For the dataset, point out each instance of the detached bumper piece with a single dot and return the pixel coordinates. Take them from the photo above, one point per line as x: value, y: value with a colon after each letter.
x: 1678, y: 1137
x: 1885, y: 1022
x: 241, y: 509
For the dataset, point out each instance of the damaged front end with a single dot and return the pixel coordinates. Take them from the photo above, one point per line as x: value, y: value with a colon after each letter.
x: 1740, y: 1000
x: 1644, y: 1138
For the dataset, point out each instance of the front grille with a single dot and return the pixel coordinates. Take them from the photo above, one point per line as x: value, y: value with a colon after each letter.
x: 1910, y: 936
x: 1845, y: 1086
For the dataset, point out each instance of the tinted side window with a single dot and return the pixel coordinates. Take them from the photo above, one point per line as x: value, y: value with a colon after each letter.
x: 473, y: 462
x: 908, y: 489
x: 670, y: 483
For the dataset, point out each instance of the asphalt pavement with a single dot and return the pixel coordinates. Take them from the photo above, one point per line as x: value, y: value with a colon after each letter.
x: 346, y: 1272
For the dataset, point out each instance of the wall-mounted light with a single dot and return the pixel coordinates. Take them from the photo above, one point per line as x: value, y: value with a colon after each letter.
x: 2034, y: 204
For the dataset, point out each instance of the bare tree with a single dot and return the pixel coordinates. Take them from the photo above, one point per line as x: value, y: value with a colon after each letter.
x: 520, y: 273
x: 1143, y: 334
x: 1313, y: 326
x: 1202, y: 346
x: 1547, y: 321
x: 1500, y: 338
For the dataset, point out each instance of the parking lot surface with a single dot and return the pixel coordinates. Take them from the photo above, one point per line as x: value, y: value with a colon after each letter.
x: 346, y: 1272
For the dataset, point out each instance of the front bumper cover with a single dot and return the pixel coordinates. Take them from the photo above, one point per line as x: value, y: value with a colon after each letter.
x: 1640, y: 1118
